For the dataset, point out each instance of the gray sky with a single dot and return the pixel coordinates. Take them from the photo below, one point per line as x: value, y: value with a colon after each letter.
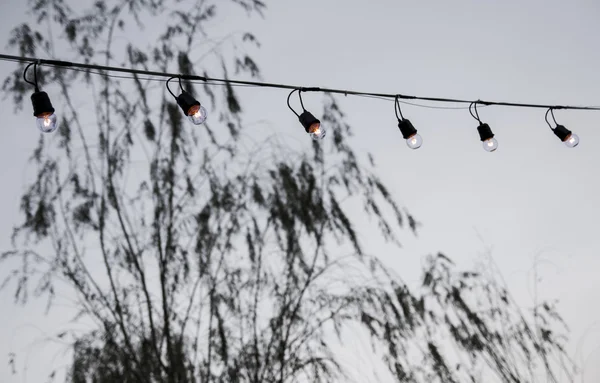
x: 532, y: 197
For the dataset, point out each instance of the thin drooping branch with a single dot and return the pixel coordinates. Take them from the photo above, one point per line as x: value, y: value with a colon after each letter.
x: 298, y: 303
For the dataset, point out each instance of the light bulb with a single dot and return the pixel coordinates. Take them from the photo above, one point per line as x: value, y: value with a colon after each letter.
x: 572, y: 140
x: 43, y: 111
x: 409, y: 133
x: 312, y: 125
x: 317, y: 132
x: 47, y: 122
x: 415, y: 141
x: 490, y: 144
x: 197, y: 114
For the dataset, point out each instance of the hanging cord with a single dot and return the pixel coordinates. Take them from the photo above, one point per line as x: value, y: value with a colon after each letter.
x: 300, y: 97
x: 475, y: 115
x: 551, y: 112
x: 181, y: 86
x: 169, y: 89
x: 397, y: 109
x: 288, y: 101
x: 35, y: 79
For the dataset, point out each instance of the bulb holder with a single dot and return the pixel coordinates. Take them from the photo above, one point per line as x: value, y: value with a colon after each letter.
x: 485, y: 132
x: 561, y: 132
x: 307, y: 120
x: 407, y: 128
x: 41, y: 104
x: 186, y: 102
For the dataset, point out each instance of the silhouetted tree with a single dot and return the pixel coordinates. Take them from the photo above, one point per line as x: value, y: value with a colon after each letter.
x: 222, y: 258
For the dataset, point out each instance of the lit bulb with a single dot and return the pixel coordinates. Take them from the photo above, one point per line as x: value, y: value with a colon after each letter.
x: 572, y: 140
x: 415, y: 141
x: 47, y: 122
x: 490, y: 144
x: 317, y: 132
x: 197, y: 114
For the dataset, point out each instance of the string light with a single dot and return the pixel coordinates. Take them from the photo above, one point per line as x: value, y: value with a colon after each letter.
x: 570, y: 139
x: 485, y: 132
x: 47, y: 120
x: 413, y: 139
x: 191, y: 107
x: 43, y: 110
x: 311, y: 124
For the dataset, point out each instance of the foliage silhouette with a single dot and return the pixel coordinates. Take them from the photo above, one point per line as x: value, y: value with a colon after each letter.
x: 220, y: 258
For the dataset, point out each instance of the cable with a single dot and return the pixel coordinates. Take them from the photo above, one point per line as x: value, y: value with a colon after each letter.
x: 288, y: 102
x: 35, y: 75
x: 476, y: 114
x: 74, y: 65
x: 143, y: 78
x: 169, y: 89
x: 417, y: 105
x: 551, y: 111
x: 435, y: 107
x: 398, y: 111
x: 25, y: 75
x: 301, y: 102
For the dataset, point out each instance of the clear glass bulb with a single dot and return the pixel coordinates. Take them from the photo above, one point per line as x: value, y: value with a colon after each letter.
x: 197, y: 114
x: 490, y: 145
x: 415, y: 141
x: 317, y: 132
x: 47, y: 123
x: 572, y: 141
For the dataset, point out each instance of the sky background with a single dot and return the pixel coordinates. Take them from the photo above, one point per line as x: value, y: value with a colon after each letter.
x: 532, y: 198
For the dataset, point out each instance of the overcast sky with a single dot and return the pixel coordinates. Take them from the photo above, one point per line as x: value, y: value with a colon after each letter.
x: 533, y: 197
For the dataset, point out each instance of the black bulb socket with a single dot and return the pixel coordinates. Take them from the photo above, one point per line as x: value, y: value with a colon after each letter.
x: 41, y: 104
x: 561, y: 132
x: 186, y: 102
x: 407, y: 128
x: 485, y: 132
x: 307, y: 120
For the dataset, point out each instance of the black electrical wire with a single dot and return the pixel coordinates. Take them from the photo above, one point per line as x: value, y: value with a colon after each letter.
x: 145, y: 78
x: 415, y: 104
x: 301, y: 102
x: 551, y: 111
x: 169, y: 89
x: 433, y: 106
x: 288, y: 102
x: 472, y: 107
x: 397, y: 109
x: 35, y: 83
x: 74, y: 65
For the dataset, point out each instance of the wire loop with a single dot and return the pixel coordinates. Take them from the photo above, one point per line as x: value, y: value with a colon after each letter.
x: 472, y: 107
x: 551, y: 112
x: 35, y: 79
x: 169, y: 89
x: 397, y: 109
x: 300, y: 97
x: 288, y: 101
